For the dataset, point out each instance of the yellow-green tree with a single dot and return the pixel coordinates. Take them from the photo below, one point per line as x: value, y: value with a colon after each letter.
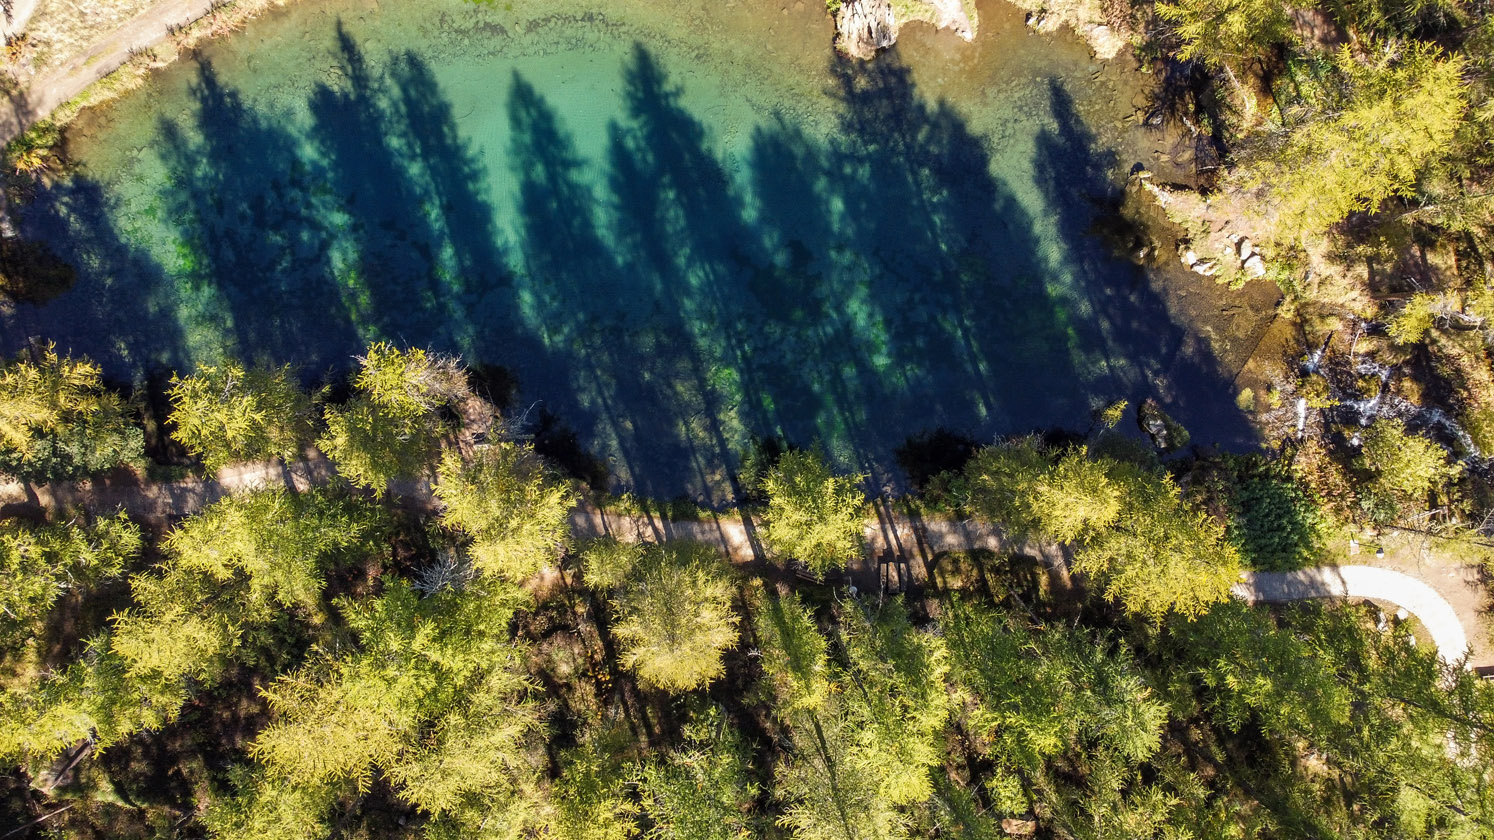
x: 1226, y: 33
x: 232, y: 569
x: 390, y: 429
x: 674, y: 617
x: 1396, y: 116
x: 512, y: 505
x: 1130, y: 529
x: 58, y: 421
x: 39, y: 563
x: 813, y: 516
x: 434, y: 697
x: 1403, y: 466
x: 866, y: 735
x: 226, y: 413
x: 1162, y: 554
x: 704, y: 789
x: 259, y: 806
x: 1017, y: 485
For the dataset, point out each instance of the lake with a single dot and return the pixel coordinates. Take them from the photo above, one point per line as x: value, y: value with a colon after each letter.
x: 678, y: 225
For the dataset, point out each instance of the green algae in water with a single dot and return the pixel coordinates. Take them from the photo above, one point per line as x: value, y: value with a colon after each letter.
x: 680, y: 226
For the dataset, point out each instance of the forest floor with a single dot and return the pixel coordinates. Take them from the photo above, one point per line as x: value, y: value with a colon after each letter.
x: 904, y: 549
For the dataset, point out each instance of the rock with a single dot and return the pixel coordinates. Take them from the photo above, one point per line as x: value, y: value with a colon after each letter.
x: 1166, y: 433
x: 1244, y: 248
x: 864, y: 26
x: 1207, y: 268
x: 1019, y: 828
x: 1102, y: 40
x: 1254, y: 266
x: 1189, y: 258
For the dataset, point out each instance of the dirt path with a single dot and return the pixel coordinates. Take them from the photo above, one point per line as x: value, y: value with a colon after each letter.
x: 23, y: 108
x: 1436, y: 614
x: 901, y: 546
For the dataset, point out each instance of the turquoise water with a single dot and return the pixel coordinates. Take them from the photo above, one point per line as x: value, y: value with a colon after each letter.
x: 679, y: 226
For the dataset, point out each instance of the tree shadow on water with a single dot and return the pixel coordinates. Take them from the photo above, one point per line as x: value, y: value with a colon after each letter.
x: 670, y: 302
x: 1130, y: 331
x: 252, y: 253
x: 121, y: 311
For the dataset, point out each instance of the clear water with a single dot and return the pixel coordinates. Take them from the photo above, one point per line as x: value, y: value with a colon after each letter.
x: 680, y: 224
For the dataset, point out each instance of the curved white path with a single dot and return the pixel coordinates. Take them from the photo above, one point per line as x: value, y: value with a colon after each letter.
x: 1419, y: 599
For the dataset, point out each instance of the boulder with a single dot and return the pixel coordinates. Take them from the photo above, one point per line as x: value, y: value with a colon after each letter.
x: 1254, y: 266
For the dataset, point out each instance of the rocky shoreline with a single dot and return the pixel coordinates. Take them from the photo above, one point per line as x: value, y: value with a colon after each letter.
x: 862, y: 27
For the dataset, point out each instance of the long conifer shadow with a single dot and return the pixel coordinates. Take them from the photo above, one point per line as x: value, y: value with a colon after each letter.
x: 850, y: 290
x: 1128, y: 330
x: 119, y: 289
x: 583, y: 317
x: 679, y: 228
x: 388, y: 250
x: 914, y: 297
x: 252, y: 246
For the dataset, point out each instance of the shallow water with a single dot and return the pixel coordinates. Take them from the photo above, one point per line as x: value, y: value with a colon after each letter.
x: 678, y: 224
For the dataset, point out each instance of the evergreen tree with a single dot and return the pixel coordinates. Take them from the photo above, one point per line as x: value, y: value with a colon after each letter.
x: 434, y: 697
x: 1227, y: 33
x: 38, y: 563
x: 58, y: 421
x: 515, y: 509
x: 390, y: 429
x: 224, y: 414
x: 674, y: 617
x: 1393, y: 119
x: 813, y: 515
x: 704, y: 790
x: 1403, y: 467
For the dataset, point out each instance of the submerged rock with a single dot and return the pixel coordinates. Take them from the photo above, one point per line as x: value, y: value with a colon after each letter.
x: 864, y: 26
x: 1166, y: 434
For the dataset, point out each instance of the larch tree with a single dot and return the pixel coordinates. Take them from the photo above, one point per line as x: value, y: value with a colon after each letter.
x: 390, y: 429
x: 1130, y: 529
x: 58, y: 421
x: 226, y: 413
x: 434, y: 697
x: 674, y: 616
x: 813, y: 515
x: 704, y: 789
x: 39, y: 563
x: 513, y: 506
x: 1227, y: 34
x: 1403, y: 466
x: 1162, y: 554
x: 1394, y: 117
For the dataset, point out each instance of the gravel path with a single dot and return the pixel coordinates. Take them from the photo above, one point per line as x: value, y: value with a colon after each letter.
x: 1421, y: 600
x: 18, y: 111
x: 900, y: 547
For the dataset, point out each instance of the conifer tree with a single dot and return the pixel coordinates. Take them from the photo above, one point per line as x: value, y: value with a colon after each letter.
x: 225, y: 413
x: 58, y: 421
x: 515, y: 509
x: 813, y: 515
x: 390, y: 429
x: 674, y: 617
x: 1395, y: 117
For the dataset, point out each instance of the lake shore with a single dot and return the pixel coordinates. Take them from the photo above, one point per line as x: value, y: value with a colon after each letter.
x: 120, y: 60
